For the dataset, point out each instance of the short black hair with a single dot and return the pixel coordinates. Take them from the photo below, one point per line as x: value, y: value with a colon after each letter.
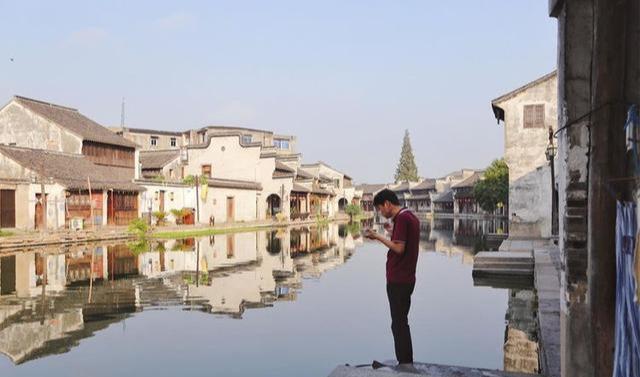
x: 385, y: 195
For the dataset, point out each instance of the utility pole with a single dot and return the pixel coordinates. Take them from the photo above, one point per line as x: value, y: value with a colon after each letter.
x: 43, y: 198
x: 122, y: 114
x: 93, y: 221
x: 197, y: 201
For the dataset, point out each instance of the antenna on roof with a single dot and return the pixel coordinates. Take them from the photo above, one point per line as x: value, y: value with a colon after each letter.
x: 122, y: 114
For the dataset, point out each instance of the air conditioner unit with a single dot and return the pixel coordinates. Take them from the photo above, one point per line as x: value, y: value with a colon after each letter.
x: 76, y: 223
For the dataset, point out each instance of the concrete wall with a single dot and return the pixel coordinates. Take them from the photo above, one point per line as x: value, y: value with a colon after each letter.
x: 524, y: 153
x: 280, y: 186
x: 175, y: 197
x: 25, y: 129
x: 56, y: 200
x: 26, y: 196
x: 144, y: 140
x: 228, y: 159
x: 216, y: 204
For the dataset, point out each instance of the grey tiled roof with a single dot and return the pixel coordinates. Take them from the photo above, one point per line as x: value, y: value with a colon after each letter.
x: 370, y: 188
x: 426, y: 184
x: 301, y: 173
x: 446, y: 196
x: 71, y: 170
x: 284, y: 167
x: 299, y: 188
x: 234, y: 183
x: 470, y: 181
x: 157, y: 159
x: 75, y: 122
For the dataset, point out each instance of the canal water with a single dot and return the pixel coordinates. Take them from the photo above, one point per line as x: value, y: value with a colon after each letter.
x: 271, y: 303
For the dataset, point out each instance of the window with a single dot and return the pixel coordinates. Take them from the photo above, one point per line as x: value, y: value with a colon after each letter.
x: 533, y: 116
x: 246, y: 139
x: 154, y: 141
x: 173, y: 141
x: 206, y: 171
x: 281, y: 143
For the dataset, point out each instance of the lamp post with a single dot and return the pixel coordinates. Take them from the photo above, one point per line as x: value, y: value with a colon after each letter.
x: 37, y: 179
x: 550, y: 153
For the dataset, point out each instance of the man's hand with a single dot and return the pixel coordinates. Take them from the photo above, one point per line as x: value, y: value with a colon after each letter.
x: 370, y: 234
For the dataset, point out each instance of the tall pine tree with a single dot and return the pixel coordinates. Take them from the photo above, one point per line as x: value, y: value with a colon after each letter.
x: 407, y: 169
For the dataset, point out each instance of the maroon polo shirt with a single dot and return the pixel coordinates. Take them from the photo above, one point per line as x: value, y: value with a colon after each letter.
x: 401, y: 268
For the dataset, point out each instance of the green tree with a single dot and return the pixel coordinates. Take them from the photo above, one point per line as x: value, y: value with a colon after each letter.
x: 494, y: 187
x: 353, y: 210
x: 407, y: 169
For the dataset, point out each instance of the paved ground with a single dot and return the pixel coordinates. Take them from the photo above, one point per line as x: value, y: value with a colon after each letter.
x: 422, y: 369
x: 547, y: 283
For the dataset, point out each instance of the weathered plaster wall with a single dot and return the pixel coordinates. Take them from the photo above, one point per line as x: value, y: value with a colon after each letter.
x: 25, y: 129
x: 216, y: 204
x: 280, y: 186
x: 529, y: 173
x: 228, y: 159
x: 175, y: 197
x: 144, y: 140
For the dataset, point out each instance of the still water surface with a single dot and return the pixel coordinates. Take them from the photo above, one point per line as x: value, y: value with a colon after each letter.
x: 271, y: 303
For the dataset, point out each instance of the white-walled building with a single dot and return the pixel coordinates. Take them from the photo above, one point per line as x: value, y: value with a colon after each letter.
x: 529, y: 113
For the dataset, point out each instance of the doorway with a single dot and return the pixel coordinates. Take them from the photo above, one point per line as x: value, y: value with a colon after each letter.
x: 231, y: 210
x: 39, y: 220
x: 7, y: 208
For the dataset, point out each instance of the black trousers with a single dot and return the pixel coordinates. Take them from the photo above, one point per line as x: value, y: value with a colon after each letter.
x: 399, y: 295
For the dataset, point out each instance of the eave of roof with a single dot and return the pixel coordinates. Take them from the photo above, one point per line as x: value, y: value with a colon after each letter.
x: 498, y: 111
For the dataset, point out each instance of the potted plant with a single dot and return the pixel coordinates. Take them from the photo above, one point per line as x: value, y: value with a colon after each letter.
x: 160, y: 217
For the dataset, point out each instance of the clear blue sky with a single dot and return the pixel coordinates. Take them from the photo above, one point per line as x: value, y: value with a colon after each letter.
x: 346, y: 77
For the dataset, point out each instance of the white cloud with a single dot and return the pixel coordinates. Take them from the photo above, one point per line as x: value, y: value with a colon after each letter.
x: 88, y: 37
x: 179, y: 20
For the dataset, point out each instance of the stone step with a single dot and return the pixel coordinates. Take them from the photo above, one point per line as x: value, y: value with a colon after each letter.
x: 504, y: 256
x: 503, y: 281
x: 504, y: 266
x: 503, y: 263
x: 502, y: 272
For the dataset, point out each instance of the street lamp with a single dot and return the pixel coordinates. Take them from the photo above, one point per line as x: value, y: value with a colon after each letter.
x: 550, y: 152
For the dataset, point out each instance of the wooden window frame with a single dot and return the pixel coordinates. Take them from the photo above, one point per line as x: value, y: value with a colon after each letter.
x: 533, y: 116
x: 207, y: 167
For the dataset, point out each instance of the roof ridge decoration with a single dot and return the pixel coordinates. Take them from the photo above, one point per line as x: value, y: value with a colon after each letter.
x: 45, y: 103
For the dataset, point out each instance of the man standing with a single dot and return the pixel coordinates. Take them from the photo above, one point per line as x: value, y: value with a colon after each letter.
x: 401, y: 267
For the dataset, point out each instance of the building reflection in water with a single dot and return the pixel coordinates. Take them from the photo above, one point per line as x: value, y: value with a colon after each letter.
x: 50, y: 300
x: 521, y: 353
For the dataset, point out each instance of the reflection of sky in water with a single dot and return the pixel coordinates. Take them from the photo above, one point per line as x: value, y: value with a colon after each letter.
x: 341, y: 317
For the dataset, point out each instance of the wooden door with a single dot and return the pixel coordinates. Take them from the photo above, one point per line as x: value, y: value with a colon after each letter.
x: 231, y: 210
x: 39, y: 218
x: 231, y: 245
x: 161, y: 204
x: 7, y: 275
x: 7, y: 208
x: 111, y: 209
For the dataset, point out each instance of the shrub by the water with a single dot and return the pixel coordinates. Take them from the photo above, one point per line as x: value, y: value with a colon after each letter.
x: 138, y: 227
